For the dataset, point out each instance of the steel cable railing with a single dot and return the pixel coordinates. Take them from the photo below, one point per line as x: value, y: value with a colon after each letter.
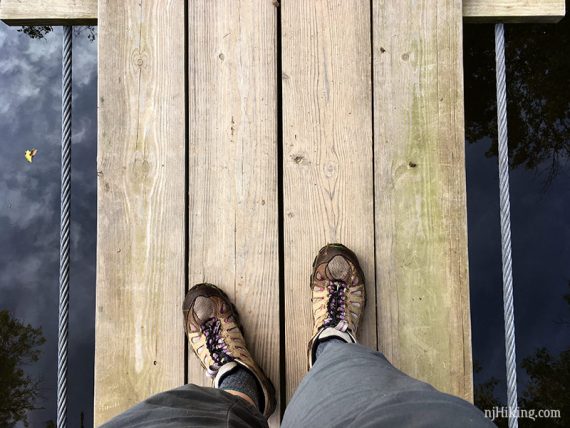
x: 505, y: 206
x: 64, y: 241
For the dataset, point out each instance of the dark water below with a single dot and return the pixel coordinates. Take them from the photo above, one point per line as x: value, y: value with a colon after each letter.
x: 539, y: 117
x: 538, y: 75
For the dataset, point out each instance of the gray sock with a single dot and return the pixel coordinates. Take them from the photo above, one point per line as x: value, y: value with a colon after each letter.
x: 242, y: 380
x: 322, y: 346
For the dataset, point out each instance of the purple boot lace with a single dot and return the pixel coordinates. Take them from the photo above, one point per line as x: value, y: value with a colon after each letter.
x: 215, y: 344
x: 337, y: 306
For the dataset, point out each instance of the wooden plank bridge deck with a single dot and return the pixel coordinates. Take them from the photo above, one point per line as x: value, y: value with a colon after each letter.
x: 339, y: 164
x: 236, y: 137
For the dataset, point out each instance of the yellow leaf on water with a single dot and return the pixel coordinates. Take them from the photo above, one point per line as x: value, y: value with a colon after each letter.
x: 29, y: 154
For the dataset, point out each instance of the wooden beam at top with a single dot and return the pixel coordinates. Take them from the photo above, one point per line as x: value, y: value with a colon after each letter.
x: 48, y: 12
x: 84, y: 12
x: 513, y: 11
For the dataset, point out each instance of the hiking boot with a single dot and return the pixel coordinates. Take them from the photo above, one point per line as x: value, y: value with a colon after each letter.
x: 212, y: 325
x: 339, y: 296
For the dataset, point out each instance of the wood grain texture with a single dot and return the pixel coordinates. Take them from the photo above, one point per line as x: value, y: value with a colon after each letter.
x: 513, y: 10
x: 421, y: 225
x: 140, y: 213
x: 84, y: 12
x: 327, y: 137
x: 48, y: 12
x: 233, y: 212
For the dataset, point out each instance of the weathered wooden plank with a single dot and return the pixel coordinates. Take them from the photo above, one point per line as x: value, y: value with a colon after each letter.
x: 421, y: 232
x: 327, y: 137
x: 48, y: 12
x: 513, y: 10
x: 84, y: 12
x: 140, y: 214
x: 233, y: 223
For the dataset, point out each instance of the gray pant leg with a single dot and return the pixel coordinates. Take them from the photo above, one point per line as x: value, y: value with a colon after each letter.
x: 350, y: 385
x: 190, y: 406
